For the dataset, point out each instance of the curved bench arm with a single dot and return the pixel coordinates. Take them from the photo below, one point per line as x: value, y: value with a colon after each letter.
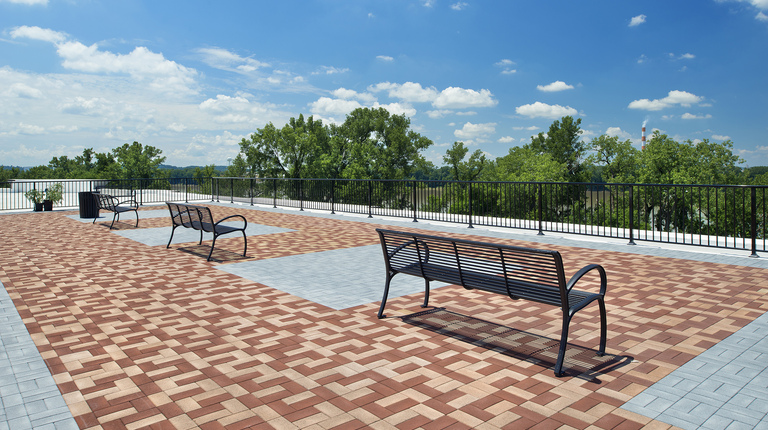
x: 245, y: 222
x: 424, y: 249
x: 584, y: 270
x: 134, y: 205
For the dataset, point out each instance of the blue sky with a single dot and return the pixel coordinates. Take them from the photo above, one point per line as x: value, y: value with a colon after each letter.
x: 195, y: 77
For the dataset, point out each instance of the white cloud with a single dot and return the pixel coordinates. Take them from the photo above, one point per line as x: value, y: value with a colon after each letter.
x: 328, y: 107
x: 408, y: 92
x: 637, y: 20
x: 761, y: 17
x: 24, y: 91
x: 687, y: 56
x: 506, y: 66
x: 397, y: 108
x: 475, y: 131
x: 459, y: 5
x: 530, y: 128
x: 458, y: 98
x: 618, y: 132
x: 543, y: 110
x: 506, y: 139
x: 386, y: 58
x: 692, y: 116
x: 37, y: 33
x: 554, y: 86
x: 330, y: 70
x: 674, y: 98
x: 720, y: 137
x: 141, y: 64
x: 435, y: 114
x: 226, y: 60
x: 346, y: 94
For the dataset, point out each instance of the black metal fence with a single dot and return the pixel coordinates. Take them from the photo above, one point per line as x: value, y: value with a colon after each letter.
x: 14, y: 194
x: 702, y: 215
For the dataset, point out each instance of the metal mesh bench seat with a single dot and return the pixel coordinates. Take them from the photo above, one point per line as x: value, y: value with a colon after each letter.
x: 110, y: 203
x: 200, y: 218
x: 519, y: 273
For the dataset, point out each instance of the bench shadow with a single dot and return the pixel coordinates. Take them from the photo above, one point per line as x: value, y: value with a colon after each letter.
x: 579, y: 362
x: 119, y: 225
x: 218, y: 256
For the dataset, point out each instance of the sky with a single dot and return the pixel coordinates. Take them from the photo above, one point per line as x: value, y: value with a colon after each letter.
x: 194, y: 77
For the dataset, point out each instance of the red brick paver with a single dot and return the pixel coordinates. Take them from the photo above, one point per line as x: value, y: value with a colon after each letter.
x: 140, y: 336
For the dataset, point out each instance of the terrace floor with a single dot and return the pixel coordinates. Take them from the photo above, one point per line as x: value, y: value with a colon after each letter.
x: 109, y: 329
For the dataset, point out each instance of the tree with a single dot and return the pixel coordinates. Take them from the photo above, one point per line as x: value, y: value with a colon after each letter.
x: 138, y: 161
x: 379, y: 145
x: 563, y: 142
x: 286, y: 152
x: 464, y: 170
x: 523, y: 164
x: 617, y: 159
x: 238, y: 168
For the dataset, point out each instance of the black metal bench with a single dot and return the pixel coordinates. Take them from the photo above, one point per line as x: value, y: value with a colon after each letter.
x: 200, y: 218
x: 520, y: 273
x: 110, y: 203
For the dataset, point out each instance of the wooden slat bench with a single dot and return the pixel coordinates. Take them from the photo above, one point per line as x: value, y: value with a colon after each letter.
x: 520, y: 273
x: 200, y: 218
x: 110, y: 203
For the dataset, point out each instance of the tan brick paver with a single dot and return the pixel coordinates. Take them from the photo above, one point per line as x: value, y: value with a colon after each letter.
x: 140, y: 336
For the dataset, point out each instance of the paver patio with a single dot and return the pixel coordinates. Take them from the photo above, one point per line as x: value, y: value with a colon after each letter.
x: 136, y: 335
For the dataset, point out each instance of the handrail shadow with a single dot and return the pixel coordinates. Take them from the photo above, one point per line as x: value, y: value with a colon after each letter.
x: 579, y: 362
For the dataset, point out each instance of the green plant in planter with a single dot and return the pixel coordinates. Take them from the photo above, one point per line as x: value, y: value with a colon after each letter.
x: 55, y: 192
x: 37, y: 198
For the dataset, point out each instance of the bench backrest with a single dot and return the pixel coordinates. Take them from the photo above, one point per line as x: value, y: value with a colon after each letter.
x: 475, y: 262
x: 180, y: 214
x: 196, y: 217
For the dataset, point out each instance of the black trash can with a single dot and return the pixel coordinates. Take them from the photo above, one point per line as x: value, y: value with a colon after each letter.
x: 89, y: 208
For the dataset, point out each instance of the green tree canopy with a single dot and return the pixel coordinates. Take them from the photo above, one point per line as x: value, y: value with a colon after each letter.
x: 563, y: 142
x: 617, y: 159
x: 138, y: 161
x: 462, y: 170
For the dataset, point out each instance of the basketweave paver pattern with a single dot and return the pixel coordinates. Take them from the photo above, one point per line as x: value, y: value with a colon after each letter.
x: 138, y: 336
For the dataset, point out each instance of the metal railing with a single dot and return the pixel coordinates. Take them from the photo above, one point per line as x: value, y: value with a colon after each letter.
x: 144, y: 191
x: 719, y: 216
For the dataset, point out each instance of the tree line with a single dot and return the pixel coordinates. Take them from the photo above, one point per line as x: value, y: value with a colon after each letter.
x: 372, y: 143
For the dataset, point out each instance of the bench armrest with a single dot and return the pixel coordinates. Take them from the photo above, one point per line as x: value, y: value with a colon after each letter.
x: 424, y: 249
x: 245, y: 222
x: 134, y: 205
x: 584, y: 270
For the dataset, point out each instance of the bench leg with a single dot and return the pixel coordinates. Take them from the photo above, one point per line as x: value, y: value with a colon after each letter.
x: 563, y: 345
x: 245, y: 243
x: 212, y: 245
x: 426, y: 293
x: 201, y: 238
x: 95, y: 217
x: 603, y: 327
x: 137, y: 218
x: 384, y: 299
x: 169, y: 240
x: 116, y: 216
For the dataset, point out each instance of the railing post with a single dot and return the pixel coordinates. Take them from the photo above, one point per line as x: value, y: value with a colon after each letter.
x: 251, y: 191
x: 274, y: 193
x: 217, y: 189
x: 333, y: 195
x: 301, y: 194
x: 413, y: 185
x: 231, y: 190
x: 470, y: 206
x: 370, y: 198
x: 186, y: 190
x: 541, y: 216
x: 631, y: 216
x: 753, y: 221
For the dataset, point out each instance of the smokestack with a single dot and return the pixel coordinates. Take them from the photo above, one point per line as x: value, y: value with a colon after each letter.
x: 643, y: 139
